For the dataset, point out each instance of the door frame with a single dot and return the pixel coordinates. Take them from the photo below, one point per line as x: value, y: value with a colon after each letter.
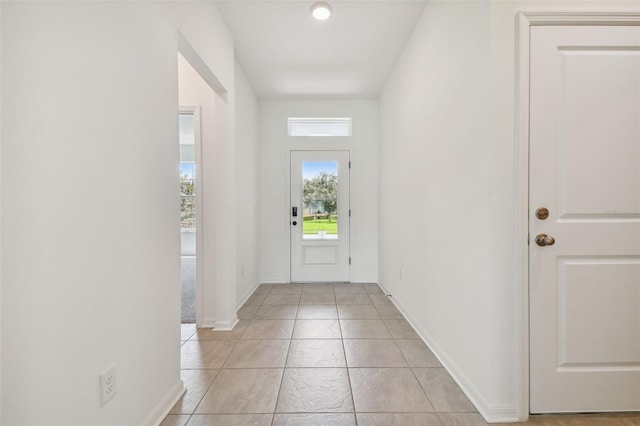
x: 524, y: 21
x: 288, y: 206
x: 195, y: 110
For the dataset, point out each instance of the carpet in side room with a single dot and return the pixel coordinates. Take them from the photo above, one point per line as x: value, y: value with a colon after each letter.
x: 188, y: 280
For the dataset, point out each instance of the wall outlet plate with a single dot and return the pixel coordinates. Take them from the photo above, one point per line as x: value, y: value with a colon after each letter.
x: 107, y: 385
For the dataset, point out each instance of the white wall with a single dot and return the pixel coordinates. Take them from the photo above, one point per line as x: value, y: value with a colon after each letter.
x: 447, y: 129
x: 247, y: 186
x: 274, y: 181
x: 90, y: 207
x: 433, y: 161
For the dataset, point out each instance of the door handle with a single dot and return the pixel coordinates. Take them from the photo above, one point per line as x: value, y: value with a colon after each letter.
x: 544, y: 240
x: 294, y: 211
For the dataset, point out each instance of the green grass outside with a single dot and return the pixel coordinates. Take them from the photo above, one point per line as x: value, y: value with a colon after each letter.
x: 313, y: 226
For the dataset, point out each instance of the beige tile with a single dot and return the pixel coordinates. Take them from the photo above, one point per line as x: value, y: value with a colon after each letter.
x: 364, y: 329
x: 316, y: 329
x: 317, y: 289
x: 373, y: 353
x: 205, y: 353
x: 277, y: 312
x: 316, y: 353
x: 213, y: 334
x: 247, y: 312
x: 348, y: 289
x: 236, y: 391
x: 358, y: 312
x: 186, y: 331
x: 401, y: 329
x: 269, y: 329
x: 317, y: 299
x: 258, y: 354
x: 398, y: 419
x: 175, y: 420
x: 286, y: 289
x: 323, y: 419
x: 387, y: 390
x: 282, y: 299
x: 388, y: 311
x: 231, y: 420
x: 317, y: 312
x: 196, y: 382
x: 417, y: 353
x: 465, y: 419
x: 255, y: 299
x: 372, y: 289
x: 353, y: 299
x: 380, y: 299
x: 263, y: 289
x: 443, y: 392
x: 313, y: 390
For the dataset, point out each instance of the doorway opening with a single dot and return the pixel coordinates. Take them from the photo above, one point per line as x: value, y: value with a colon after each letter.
x: 188, y: 193
x: 320, y: 216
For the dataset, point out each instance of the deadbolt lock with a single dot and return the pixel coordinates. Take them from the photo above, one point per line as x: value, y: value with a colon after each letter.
x: 542, y: 213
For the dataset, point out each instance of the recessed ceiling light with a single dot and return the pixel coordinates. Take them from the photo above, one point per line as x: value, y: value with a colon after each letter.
x: 321, y: 11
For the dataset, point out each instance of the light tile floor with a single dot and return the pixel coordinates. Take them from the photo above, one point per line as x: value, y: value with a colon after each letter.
x: 325, y: 354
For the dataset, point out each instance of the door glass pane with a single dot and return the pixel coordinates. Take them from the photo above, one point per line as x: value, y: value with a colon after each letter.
x: 320, y: 198
x: 187, y: 174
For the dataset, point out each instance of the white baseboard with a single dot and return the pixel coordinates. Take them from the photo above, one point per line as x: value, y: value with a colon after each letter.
x: 247, y: 295
x: 226, y: 325
x: 220, y: 325
x: 492, y: 413
x: 278, y: 280
x: 164, y: 407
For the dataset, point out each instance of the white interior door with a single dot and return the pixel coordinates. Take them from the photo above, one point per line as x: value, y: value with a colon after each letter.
x: 319, y: 216
x: 585, y: 169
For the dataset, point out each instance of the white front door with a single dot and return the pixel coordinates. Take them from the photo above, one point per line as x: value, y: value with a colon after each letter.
x: 585, y: 169
x: 319, y: 216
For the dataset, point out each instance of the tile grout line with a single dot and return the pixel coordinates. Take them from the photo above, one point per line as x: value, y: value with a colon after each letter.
x: 346, y: 363
x: 284, y: 367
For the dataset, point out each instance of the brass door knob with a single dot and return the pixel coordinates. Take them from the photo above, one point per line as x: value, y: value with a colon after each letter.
x: 544, y: 240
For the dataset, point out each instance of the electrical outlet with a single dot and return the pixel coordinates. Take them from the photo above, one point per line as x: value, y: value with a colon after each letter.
x: 107, y: 385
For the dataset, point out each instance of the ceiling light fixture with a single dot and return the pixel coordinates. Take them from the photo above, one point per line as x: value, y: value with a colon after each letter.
x: 321, y: 11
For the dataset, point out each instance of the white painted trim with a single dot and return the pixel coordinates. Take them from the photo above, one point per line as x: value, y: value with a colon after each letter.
x: 247, y: 295
x: 161, y: 411
x: 288, y: 210
x: 278, y: 280
x: 226, y: 325
x: 490, y: 412
x: 580, y: 18
x: 521, y: 244
x: 197, y: 126
x: 525, y: 20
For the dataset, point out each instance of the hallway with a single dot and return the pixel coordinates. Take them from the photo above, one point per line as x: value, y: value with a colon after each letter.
x: 323, y: 354
x: 344, y: 348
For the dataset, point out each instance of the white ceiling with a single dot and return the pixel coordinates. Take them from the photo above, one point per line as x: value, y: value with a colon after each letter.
x: 285, y: 53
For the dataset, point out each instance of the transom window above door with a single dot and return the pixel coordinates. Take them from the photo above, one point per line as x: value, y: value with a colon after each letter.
x: 319, y: 126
